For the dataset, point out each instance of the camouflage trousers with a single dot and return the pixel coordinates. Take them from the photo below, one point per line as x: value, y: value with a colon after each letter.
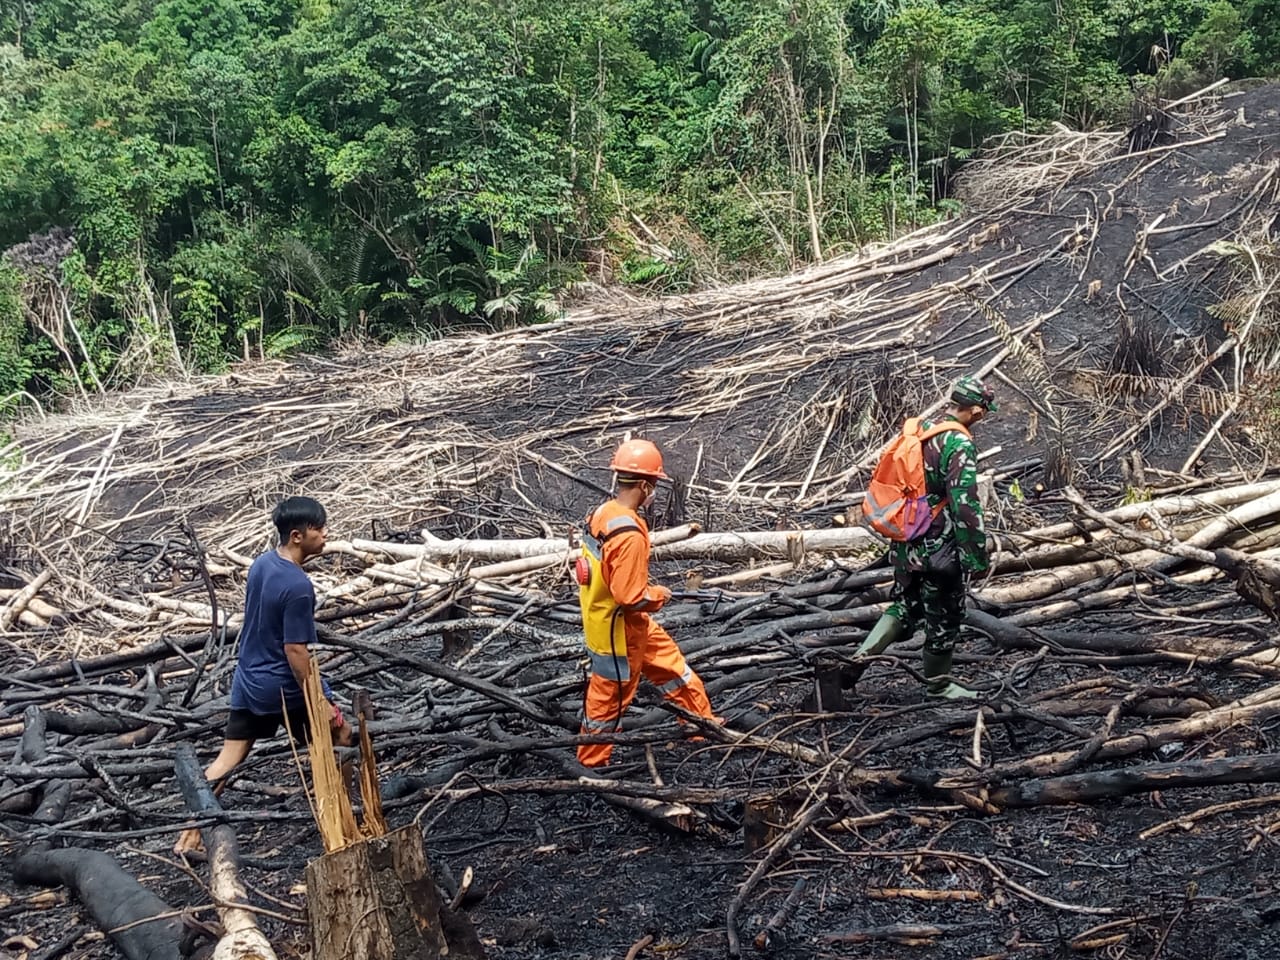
x: 932, y: 598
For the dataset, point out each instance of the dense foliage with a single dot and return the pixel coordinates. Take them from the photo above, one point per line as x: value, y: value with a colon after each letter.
x: 184, y: 182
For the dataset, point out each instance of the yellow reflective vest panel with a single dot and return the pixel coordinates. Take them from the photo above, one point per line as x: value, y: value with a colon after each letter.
x: 603, y: 628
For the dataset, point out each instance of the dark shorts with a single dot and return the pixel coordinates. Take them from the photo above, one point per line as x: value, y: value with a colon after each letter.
x: 244, y: 725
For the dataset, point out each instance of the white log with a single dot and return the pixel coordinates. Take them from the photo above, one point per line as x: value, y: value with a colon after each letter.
x: 1052, y: 581
x: 770, y: 544
x: 1165, y: 507
x: 244, y: 944
x: 19, y: 603
x: 35, y: 604
x: 675, y: 543
x: 1105, y: 544
x: 464, y: 549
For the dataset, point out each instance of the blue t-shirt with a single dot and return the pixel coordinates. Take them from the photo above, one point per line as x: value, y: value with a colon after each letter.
x: 279, y: 608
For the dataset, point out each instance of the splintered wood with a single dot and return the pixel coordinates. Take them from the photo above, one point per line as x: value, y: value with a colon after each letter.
x: 372, y: 895
x: 331, y: 804
x: 374, y: 822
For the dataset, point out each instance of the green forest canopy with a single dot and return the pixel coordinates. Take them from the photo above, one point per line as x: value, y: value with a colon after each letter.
x: 185, y: 182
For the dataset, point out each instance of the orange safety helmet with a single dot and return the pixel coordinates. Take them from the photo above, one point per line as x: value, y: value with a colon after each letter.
x: 638, y: 457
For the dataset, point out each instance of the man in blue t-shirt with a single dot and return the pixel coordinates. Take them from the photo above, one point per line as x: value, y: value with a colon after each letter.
x: 279, y: 625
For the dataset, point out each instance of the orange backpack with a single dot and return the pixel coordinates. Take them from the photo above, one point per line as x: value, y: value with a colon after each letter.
x: 896, y: 504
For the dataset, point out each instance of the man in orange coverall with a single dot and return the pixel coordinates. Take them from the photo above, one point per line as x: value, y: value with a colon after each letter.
x: 617, y: 598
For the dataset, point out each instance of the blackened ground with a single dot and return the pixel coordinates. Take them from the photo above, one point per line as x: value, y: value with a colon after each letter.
x: 570, y: 876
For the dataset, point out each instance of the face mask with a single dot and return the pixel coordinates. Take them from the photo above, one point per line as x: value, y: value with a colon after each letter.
x: 648, y: 501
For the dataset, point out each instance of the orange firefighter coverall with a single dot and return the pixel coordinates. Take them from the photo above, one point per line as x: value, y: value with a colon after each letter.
x: 616, y: 546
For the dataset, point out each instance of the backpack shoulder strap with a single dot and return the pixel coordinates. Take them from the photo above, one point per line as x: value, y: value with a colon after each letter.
x: 947, y: 426
x: 619, y: 525
x: 613, y: 527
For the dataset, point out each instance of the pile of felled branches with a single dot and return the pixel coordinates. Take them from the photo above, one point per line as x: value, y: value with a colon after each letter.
x: 470, y: 650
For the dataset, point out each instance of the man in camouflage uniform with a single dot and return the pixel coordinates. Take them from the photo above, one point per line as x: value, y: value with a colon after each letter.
x: 931, y: 574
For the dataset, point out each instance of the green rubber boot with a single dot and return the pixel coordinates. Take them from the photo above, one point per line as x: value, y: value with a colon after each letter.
x: 936, y: 667
x: 887, y: 630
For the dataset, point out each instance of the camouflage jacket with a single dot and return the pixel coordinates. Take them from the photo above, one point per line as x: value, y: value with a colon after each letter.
x: 958, y: 532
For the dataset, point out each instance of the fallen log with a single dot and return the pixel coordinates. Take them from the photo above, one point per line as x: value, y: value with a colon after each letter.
x: 1256, y: 580
x: 687, y: 542
x: 676, y: 543
x: 18, y: 604
x: 1105, y: 545
x: 42, y: 609
x: 55, y: 796
x: 241, y: 938
x: 464, y: 549
x: 1055, y: 712
x: 1258, y: 706
x: 771, y: 544
x: 111, y: 662
x: 140, y: 924
x: 905, y: 934
x: 91, y: 722
x: 1147, y: 560
x: 27, y: 772
x: 1093, y: 600
x: 97, y: 722
x: 1182, y: 650
x: 30, y: 749
x: 1100, y: 784
x: 1163, y: 507
x: 514, y: 557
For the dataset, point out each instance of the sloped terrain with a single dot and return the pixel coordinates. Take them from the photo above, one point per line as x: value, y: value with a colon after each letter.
x: 1117, y: 296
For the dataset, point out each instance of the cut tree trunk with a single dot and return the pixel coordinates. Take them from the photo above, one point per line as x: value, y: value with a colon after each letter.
x: 376, y: 899
x: 464, y: 549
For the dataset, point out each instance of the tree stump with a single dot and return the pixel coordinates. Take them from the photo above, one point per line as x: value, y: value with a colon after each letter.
x: 827, y: 694
x: 766, y: 817
x: 456, y: 642
x: 376, y: 899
